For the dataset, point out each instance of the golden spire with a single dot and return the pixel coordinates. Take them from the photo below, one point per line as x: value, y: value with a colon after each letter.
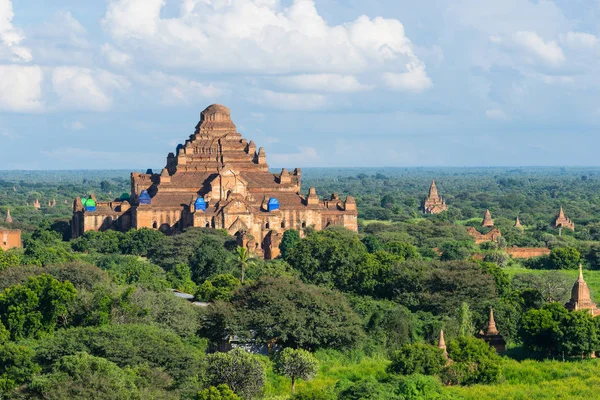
x: 491, y: 329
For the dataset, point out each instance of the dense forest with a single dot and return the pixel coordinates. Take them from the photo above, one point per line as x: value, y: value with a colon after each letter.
x: 340, y: 315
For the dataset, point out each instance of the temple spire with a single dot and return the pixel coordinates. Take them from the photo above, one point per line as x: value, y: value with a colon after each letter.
x: 433, y: 193
x: 491, y: 329
x: 8, y: 219
x: 580, y: 278
x: 561, y: 213
x: 518, y: 223
x: 487, y: 219
x: 442, y: 343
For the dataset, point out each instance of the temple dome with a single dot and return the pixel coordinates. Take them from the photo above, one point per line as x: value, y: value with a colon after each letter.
x: 215, y: 119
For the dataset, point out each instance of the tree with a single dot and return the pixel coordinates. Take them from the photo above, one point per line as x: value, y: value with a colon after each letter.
x: 243, y: 372
x: 335, y: 257
x: 220, y: 287
x: 290, y: 238
x: 34, y: 308
x: 565, y: 258
x: 404, y: 250
x: 243, y: 258
x: 221, y: 392
x: 580, y: 333
x: 83, y: 376
x: 17, y: 365
x: 452, y: 251
x: 133, y: 270
x: 128, y: 346
x: 9, y: 259
x: 541, y: 330
x: 292, y: 314
x: 209, y: 258
x: 474, y: 361
x: 417, y: 358
x: 296, y: 364
x: 138, y: 242
x: 465, y: 320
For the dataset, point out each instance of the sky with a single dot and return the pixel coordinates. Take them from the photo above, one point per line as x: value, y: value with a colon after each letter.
x: 112, y: 84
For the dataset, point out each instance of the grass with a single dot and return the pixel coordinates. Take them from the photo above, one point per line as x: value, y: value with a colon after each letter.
x: 334, y: 366
x: 538, y: 380
x: 529, y: 379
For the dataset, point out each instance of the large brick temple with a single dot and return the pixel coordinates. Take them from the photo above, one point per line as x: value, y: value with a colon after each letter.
x: 217, y: 179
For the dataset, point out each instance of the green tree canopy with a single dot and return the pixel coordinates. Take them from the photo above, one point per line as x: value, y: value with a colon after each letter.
x: 33, y: 308
x: 296, y: 364
x: 243, y: 372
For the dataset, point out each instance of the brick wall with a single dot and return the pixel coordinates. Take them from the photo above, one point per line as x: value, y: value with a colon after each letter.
x: 10, y: 239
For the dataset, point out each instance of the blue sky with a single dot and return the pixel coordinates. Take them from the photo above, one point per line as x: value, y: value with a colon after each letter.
x: 118, y: 83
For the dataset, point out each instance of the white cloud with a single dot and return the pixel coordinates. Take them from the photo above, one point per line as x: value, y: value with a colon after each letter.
x: 334, y: 83
x: 290, y: 101
x: 86, y: 89
x: 115, y: 57
x: 11, y: 37
x: 495, y: 113
x: 257, y: 36
x: 176, y: 90
x: 415, y: 80
x: 305, y: 156
x: 579, y: 39
x: 547, y: 51
x: 21, y: 88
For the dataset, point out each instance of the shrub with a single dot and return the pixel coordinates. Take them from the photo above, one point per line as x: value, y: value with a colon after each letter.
x: 418, y: 358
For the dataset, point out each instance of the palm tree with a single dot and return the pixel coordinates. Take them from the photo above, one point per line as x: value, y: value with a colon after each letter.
x: 244, y: 259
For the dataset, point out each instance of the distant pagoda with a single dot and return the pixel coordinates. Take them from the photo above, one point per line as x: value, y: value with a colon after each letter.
x: 8, y: 218
x: 561, y: 221
x: 487, y: 222
x: 434, y: 204
x: 580, y: 296
x: 518, y: 224
x: 492, y: 336
x: 442, y: 344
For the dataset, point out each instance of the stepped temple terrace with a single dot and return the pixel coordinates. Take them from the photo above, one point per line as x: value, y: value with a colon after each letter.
x: 217, y: 179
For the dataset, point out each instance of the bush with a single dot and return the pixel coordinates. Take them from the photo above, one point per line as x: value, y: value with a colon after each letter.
x: 243, y: 372
x: 473, y: 361
x: 418, y: 358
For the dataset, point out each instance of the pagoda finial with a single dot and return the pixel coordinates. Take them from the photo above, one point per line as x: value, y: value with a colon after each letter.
x: 8, y: 219
x: 580, y: 278
x: 561, y: 213
x: 433, y: 193
x: 491, y: 329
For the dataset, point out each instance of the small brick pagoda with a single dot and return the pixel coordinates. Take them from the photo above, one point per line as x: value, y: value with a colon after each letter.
x: 492, y: 335
x: 434, y: 203
x: 580, y: 296
x: 518, y: 224
x: 217, y: 179
x: 487, y: 222
x: 561, y: 221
